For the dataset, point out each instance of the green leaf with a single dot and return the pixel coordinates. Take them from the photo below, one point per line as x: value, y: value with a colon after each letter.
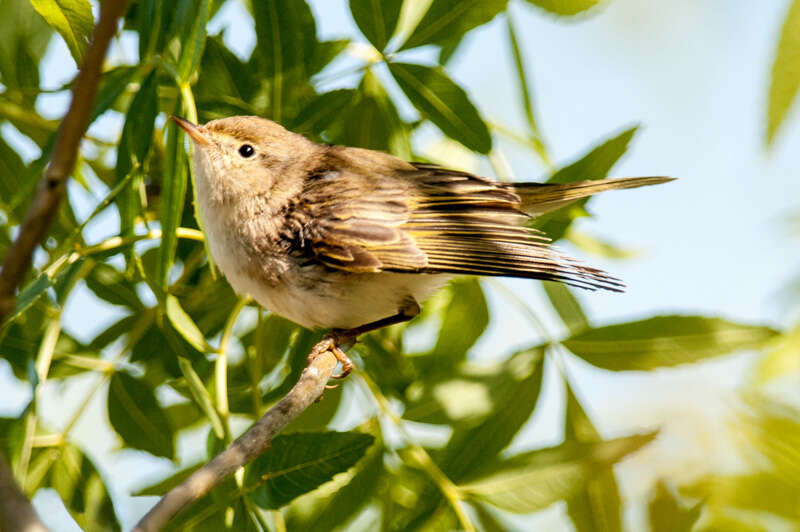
x: 598, y: 507
x: 324, y: 53
x: 333, y: 505
x: 25, y: 39
x: 567, y: 307
x: 82, y: 489
x: 448, y: 20
x: 464, y: 321
x: 534, y: 480
x: 762, y: 491
x: 112, y: 85
x: 370, y: 121
x: 109, y: 284
x: 446, y: 104
x: 137, y: 417
x: 12, y: 168
x: 598, y: 162
x: 173, y: 196
x: 565, y: 7
x: 72, y: 19
x: 298, y: 463
x: 524, y: 89
x: 323, y: 111
x: 664, y: 341
x: 193, y: 41
x: 224, y: 74
x: 785, y: 72
x: 594, y: 165
x: 286, y: 38
x: 668, y: 515
x: 29, y: 295
x: 782, y: 358
x: 469, y: 449
x: 161, y: 487
x: 377, y: 19
x: 134, y: 146
x: 184, y: 324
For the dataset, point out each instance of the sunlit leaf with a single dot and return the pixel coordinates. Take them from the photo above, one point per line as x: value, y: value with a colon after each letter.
x: 161, y: 487
x: 298, y: 463
x: 664, y: 341
x: 72, y: 19
x: 782, y: 359
x: 448, y: 20
x: 667, y: 514
x: 760, y: 491
x: 194, y: 40
x: 82, y: 490
x: 176, y: 176
x: 465, y: 319
x: 29, y: 295
x: 25, y: 38
x: 785, y: 74
x: 324, y: 53
x: 469, y: 449
x: 377, y: 19
x: 596, y: 164
x: 567, y: 306
x: 565, y: 7
x: 331, y: 508
x: 137, y: 417
x: 474, y: 393
x: 597, y: 507
x: 184, y: 324
x: 531, y: 481
x: 444, y: 103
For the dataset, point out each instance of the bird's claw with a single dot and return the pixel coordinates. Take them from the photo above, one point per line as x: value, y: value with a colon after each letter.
x: 330, y: 342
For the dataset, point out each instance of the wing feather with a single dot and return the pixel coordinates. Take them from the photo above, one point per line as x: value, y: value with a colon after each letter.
x: 425, y: 219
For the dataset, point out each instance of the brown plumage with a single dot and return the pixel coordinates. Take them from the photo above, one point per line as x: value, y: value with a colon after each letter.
x: 331, y: 236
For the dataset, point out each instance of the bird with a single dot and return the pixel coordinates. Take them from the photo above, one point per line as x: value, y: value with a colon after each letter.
x: 352, y: 240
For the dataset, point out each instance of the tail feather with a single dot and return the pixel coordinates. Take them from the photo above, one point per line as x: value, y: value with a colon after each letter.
x: 540, y: 198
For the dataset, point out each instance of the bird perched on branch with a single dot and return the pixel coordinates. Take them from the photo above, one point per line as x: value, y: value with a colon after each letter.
x: 353, y: 239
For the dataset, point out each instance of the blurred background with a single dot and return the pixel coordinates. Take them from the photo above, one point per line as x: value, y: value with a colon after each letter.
x: 718, y: 246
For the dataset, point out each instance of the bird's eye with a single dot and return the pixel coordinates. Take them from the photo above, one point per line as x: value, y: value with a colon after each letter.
x: 246, y: 150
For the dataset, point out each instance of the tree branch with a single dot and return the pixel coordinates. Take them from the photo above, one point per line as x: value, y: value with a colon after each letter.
x: 247, y: 447
x: 16, y: 511
x: 51, y: 187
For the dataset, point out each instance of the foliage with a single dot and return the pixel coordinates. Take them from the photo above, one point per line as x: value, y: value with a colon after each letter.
x: 180, y: 324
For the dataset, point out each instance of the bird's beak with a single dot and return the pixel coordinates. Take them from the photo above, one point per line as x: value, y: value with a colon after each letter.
x: 198, y: 133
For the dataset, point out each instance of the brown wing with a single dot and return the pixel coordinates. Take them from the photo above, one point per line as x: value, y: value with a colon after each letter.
x: 426, y: 219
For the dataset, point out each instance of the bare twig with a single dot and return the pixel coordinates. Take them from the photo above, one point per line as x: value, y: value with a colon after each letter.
x: 16, y: 512
x: 51, y: 188
x: 247, y: 447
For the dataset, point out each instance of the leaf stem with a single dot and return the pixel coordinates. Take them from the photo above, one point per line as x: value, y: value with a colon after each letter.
x: 221, y: 368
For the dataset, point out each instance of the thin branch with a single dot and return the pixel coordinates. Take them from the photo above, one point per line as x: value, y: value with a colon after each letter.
x: 247, y: 447
x: 52, y: 187
x: 16, y: 512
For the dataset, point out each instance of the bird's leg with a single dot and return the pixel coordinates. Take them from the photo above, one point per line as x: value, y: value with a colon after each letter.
x: 338, y: 337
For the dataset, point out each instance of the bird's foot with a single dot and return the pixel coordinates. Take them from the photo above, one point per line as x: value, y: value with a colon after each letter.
x: 331, y: 342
